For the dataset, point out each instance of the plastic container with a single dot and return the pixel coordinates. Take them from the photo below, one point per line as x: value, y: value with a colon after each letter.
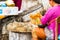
x: 3, y: 5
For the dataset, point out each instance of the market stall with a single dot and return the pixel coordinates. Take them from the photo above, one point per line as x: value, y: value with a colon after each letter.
x: 19, y: 27
x: 20, y: 20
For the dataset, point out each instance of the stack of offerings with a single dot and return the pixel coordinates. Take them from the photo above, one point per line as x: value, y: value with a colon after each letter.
x: 20, y: 26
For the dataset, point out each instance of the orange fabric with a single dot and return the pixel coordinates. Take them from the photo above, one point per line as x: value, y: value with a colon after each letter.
x: 38, y: 32
x: 1, y: 17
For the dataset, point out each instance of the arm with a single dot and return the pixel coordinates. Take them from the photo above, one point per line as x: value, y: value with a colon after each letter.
x: 47, y: 17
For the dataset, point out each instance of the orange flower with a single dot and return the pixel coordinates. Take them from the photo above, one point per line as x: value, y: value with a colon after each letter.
x: 1, y: 16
